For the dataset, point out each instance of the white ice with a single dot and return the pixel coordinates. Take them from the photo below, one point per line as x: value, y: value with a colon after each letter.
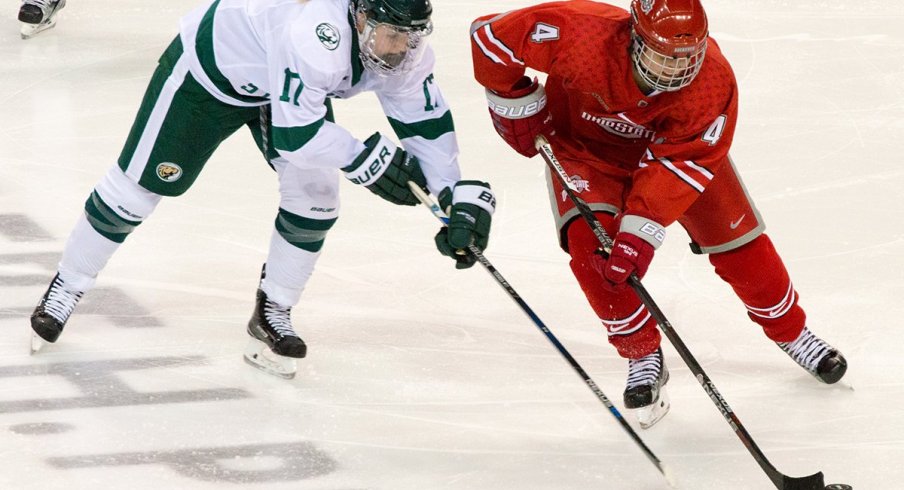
x: 420, y: 376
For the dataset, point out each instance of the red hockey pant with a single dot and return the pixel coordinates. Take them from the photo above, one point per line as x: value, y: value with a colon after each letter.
x: 754, y: 270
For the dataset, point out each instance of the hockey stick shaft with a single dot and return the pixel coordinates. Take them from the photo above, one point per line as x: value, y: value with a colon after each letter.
x: 472, y: 249
x: 781, y: 481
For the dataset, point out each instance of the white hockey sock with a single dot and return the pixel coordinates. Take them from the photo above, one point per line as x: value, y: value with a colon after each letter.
x: 288, y: 271
x: 85, y: 255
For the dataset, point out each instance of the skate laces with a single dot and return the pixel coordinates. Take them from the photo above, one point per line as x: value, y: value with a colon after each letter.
x: 39, y: 3
x: 644, y: 371
x: 278, y: 317
x: 59, y: 301
x: 807, y: 350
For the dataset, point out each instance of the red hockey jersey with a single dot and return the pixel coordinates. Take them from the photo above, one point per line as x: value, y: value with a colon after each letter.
x: 670, y: 143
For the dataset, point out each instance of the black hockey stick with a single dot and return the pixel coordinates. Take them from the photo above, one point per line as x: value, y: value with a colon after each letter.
x: 472, y: 249
x: 780, y: 480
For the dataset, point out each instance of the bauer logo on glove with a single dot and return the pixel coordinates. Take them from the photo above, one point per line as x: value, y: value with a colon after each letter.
x: 377, y: 155
x: 385, y: 169
x: 516, y: 109
x: 520, y: 114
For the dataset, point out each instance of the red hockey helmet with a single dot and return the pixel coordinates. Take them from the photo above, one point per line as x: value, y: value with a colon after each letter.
x: 669, y: 41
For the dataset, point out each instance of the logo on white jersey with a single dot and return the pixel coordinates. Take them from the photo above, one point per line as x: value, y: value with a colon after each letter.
x: 580, y: 185
x: 169, y: 172
x: 619, y: 127
x: 328, y: 36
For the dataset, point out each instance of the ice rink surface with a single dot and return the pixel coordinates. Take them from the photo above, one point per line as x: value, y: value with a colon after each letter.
x: 420, y: 376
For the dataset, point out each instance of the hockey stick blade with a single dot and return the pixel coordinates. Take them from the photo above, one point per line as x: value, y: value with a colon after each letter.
x: 780, y: 480
x: 812, y: 482
x: 441, y: 216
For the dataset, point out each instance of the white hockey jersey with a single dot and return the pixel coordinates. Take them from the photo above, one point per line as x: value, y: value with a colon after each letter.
x: 294, y: 54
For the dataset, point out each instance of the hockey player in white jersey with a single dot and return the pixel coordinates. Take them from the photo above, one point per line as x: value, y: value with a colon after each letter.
x: 273, y: 66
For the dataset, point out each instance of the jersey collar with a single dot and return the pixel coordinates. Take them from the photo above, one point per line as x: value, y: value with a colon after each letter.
x: 357, y: 65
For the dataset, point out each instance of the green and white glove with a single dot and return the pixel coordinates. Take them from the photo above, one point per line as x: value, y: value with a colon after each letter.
x: 385, y: 170
x: 470, y: 208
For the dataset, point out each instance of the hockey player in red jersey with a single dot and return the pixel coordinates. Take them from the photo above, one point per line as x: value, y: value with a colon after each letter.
x: 640, y: 108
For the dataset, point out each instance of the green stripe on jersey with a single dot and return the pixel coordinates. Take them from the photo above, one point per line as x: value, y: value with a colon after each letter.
x: 205, y: 51
x: 291, y: 139
x: 430, y: 129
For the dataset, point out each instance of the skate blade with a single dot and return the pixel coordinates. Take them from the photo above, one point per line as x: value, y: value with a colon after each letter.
x: 29, y: 31
x: 257, y: 354
x: 648, y: 416
x: 37, y: 343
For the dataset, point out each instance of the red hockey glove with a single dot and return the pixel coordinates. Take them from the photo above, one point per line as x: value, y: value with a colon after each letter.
x: 632, y: 251
x: 520, y: 114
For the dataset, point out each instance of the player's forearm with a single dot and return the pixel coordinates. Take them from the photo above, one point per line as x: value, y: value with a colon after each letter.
x: 439, y: 160
x: 330, y: 147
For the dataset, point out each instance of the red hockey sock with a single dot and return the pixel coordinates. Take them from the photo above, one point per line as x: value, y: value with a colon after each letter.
x: 629, y: 325
x: 758, y: 277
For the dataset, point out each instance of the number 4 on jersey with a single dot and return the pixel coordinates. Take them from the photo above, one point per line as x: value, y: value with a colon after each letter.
x: 715, y: 130
x: 544, y: 32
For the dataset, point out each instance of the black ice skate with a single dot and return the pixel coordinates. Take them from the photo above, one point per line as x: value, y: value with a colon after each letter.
x: 645, y: 391
x: 816, y: 356
x: 51, y: 314
x: 274, y: 345
x: 38, y: 15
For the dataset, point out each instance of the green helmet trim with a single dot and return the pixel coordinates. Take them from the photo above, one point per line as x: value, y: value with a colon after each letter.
x: 411, y: 14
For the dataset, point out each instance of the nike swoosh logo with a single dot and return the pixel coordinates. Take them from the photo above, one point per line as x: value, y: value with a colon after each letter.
x: 735, y: 224
x: 601, y: 101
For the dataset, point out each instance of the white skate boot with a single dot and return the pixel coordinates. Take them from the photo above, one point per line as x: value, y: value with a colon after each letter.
x: 38, y: 15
